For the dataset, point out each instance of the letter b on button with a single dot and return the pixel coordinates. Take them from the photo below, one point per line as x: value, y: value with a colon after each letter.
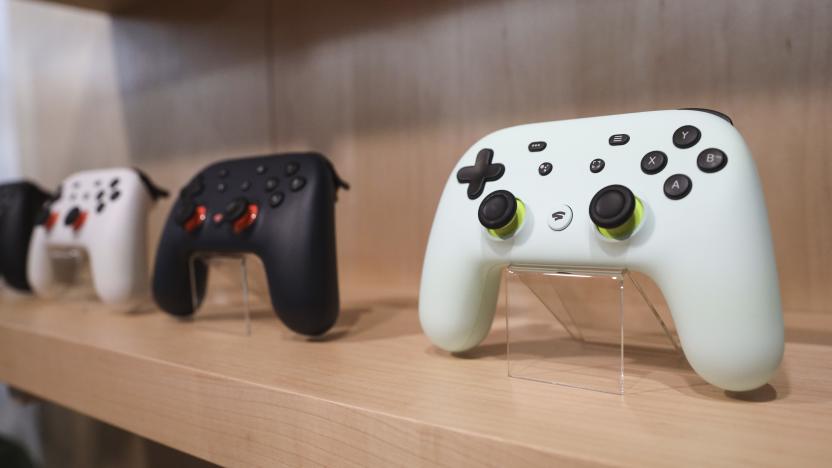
x: 711, y: 160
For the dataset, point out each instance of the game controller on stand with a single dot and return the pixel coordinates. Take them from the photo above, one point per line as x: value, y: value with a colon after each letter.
x: 104, y: 213
x: 280, y: 208
x: 20, y: 203
x: 672, y: 194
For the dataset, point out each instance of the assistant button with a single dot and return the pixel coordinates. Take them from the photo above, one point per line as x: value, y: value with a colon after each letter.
x: 560, y: 218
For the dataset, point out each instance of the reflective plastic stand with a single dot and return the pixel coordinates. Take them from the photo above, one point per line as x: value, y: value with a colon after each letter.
x: 72, y: 281
x: 230, y: 293
x: 595, y: 329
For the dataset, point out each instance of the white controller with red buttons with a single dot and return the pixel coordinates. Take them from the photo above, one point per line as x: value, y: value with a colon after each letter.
x: 103, y: 212
x: 672, y: 194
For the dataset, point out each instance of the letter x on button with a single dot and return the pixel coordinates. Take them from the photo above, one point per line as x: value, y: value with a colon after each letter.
x: 481, y: 172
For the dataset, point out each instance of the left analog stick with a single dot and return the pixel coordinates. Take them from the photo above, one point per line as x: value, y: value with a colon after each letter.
x: 501, y: 214
x: 190, y: 215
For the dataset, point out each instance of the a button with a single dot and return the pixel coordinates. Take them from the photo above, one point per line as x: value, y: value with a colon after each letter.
x: 686, y: 136
x: 114, y: 182
x: 297, y: 183
x: 235, y: 208
x: 481, y: 172
x: 597, y: 165
x: 612, y: 206
x: 223, y: 172
x: 711, y: 160
x: 261, y: 169
x: 245, y: 185
x: 544, y: 168
x: 536, y: 146
x: 619, y: 139
x: 560, y: 218
x: 221, y: 187
x: 114, y: 196
x: 99, y: 208
x: 677, y: 186
x: 653, y: 162
x: 276, y: 199
x: 292, y: 168
x: 271, y: 184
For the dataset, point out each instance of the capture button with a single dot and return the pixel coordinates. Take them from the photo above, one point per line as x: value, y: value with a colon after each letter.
x: 653, y: 162
x: 560, y: 218
x: 596, y: 166
x: 686, y: 136
x: 677, y: 186
x: 711, y: 160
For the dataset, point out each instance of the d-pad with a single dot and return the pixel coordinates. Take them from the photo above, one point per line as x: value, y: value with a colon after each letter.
x: 481, y: 172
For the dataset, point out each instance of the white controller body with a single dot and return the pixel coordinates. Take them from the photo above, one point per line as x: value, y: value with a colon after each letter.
x: 114, y: 237
x: 710, y: 252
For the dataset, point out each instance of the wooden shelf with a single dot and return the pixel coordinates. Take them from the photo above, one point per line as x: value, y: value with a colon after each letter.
x: 377, y: 393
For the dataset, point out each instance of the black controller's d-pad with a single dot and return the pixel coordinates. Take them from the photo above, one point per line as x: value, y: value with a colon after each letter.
x: 481, y: 172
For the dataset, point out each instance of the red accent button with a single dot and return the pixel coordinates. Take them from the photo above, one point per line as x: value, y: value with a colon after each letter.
x: 247, y: 219
x: 197, y: 219
x: 217, y: 218
x: 79, y: 221
x: 51, y: 220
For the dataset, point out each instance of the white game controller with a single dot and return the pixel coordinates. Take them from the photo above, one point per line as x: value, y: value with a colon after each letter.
x: 104, y: 212
x: 672, y: 194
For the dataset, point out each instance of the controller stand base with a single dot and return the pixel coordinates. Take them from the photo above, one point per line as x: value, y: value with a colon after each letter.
x: 594, y: 329
x: 72, y: 278
x: 226, y: 306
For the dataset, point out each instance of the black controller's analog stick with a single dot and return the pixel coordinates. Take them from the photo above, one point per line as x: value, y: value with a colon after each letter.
x: 501, y: 213
x: 616, y: 211
x: 235, y: 209
x: 184, y: 212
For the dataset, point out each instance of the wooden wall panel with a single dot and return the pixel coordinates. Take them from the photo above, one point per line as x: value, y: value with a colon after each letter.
x: 397, y: 100
x: 394, y: 92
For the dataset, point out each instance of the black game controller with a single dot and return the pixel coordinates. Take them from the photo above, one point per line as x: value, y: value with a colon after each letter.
x: 21, y: 205
x: 280, y: 208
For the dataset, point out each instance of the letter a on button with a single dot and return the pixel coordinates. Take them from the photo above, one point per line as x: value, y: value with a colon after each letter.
x: 675, y: 185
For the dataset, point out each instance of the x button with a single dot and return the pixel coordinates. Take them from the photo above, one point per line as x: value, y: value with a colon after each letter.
x: 481, y: 172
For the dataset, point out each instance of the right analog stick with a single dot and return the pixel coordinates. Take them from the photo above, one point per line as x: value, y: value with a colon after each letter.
x: 501, y: 214
x: 616, y: 212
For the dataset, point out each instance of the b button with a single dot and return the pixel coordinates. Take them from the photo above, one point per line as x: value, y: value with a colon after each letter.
x: 711, y: 160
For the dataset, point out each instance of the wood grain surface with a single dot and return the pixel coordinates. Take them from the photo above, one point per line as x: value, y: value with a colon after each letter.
x: 376, y: 393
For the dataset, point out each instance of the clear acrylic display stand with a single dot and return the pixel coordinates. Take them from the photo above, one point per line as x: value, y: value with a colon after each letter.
x: 230, y: 294
x: 594, y: 329
x: 72, y: 275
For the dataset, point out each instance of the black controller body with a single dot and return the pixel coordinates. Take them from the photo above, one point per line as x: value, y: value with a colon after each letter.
x: 279, y: 208
x: 20, y: 204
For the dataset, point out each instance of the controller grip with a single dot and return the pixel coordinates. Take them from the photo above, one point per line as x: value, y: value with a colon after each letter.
x: 458, y: 292
x: 39, y: 268
x: 120, y: 278
x: 728, y: 316
x: 172, y: 277
x: 303, y: 280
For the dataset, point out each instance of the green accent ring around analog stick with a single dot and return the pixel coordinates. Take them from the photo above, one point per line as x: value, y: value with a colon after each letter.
x: 509, y: 229
x: 625, y: 230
